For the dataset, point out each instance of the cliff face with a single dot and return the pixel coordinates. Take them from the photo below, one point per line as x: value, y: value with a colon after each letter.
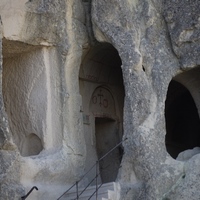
x: 58, y: 56
x: 140, y: 34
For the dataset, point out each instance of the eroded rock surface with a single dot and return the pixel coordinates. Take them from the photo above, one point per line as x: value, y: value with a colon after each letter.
x: 183, y: 22
x: 62, y: 65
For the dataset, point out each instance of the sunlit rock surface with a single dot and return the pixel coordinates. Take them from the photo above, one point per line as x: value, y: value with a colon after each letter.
x: 78, y: 77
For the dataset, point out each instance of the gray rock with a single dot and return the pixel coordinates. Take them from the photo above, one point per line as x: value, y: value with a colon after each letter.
x: 10, y: 186
x: 187, y: 154
x: 187, y: 187
x: 183, y: 23
x: 156, y: 40
x: 147, y: 70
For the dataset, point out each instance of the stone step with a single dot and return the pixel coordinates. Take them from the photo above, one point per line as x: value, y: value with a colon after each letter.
x: 86, y: 195
x: 105, y: 191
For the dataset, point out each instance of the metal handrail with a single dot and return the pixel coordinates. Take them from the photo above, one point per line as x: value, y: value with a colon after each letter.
x: 95, y: 178
x: 24, y: 197
x: 88, y: 184
x: 95, y: 192
x: 76, y: 184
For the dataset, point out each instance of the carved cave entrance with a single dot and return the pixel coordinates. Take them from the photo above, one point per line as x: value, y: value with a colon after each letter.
x: 102, y: 91
x: 181, y: 113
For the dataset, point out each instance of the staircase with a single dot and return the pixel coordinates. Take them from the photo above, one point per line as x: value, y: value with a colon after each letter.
x: 106, y: 192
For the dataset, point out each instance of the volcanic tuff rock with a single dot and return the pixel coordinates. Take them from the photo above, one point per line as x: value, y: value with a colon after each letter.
x: 44, y: 43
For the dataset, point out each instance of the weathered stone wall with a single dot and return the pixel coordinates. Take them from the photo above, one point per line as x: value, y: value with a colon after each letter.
x: 141, y: 34
x: 43, y: 46
x: 42, y: 100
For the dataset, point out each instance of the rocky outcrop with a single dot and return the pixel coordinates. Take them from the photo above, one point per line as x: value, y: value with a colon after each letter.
x: 146, y: 44
x: 50, y: 140
x: 182, y: 19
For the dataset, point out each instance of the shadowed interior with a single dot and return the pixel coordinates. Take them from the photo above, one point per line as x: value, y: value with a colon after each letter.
x: 182, y: 120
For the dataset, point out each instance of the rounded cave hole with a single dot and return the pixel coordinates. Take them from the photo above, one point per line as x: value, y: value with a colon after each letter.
x: 31, y: 145
x: 182, y: 120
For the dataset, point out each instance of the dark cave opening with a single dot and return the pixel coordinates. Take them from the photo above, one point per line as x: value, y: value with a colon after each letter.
x: 182, y: 120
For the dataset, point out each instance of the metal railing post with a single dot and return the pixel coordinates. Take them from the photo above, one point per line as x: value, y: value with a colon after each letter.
x: 97, y: 164
x: 77, y: 195
x: 24, y: 197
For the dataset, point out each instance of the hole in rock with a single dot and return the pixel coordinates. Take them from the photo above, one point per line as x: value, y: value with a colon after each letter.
x: 32, y: 145
x: 182, y: 119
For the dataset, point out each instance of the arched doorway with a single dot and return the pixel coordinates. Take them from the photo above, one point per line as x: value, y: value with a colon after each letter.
x: 102, y: 91
x: 182, y: 119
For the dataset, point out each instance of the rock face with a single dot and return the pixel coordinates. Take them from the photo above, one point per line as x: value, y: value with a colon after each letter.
x: 79, y: 77
x: 183, y: 24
